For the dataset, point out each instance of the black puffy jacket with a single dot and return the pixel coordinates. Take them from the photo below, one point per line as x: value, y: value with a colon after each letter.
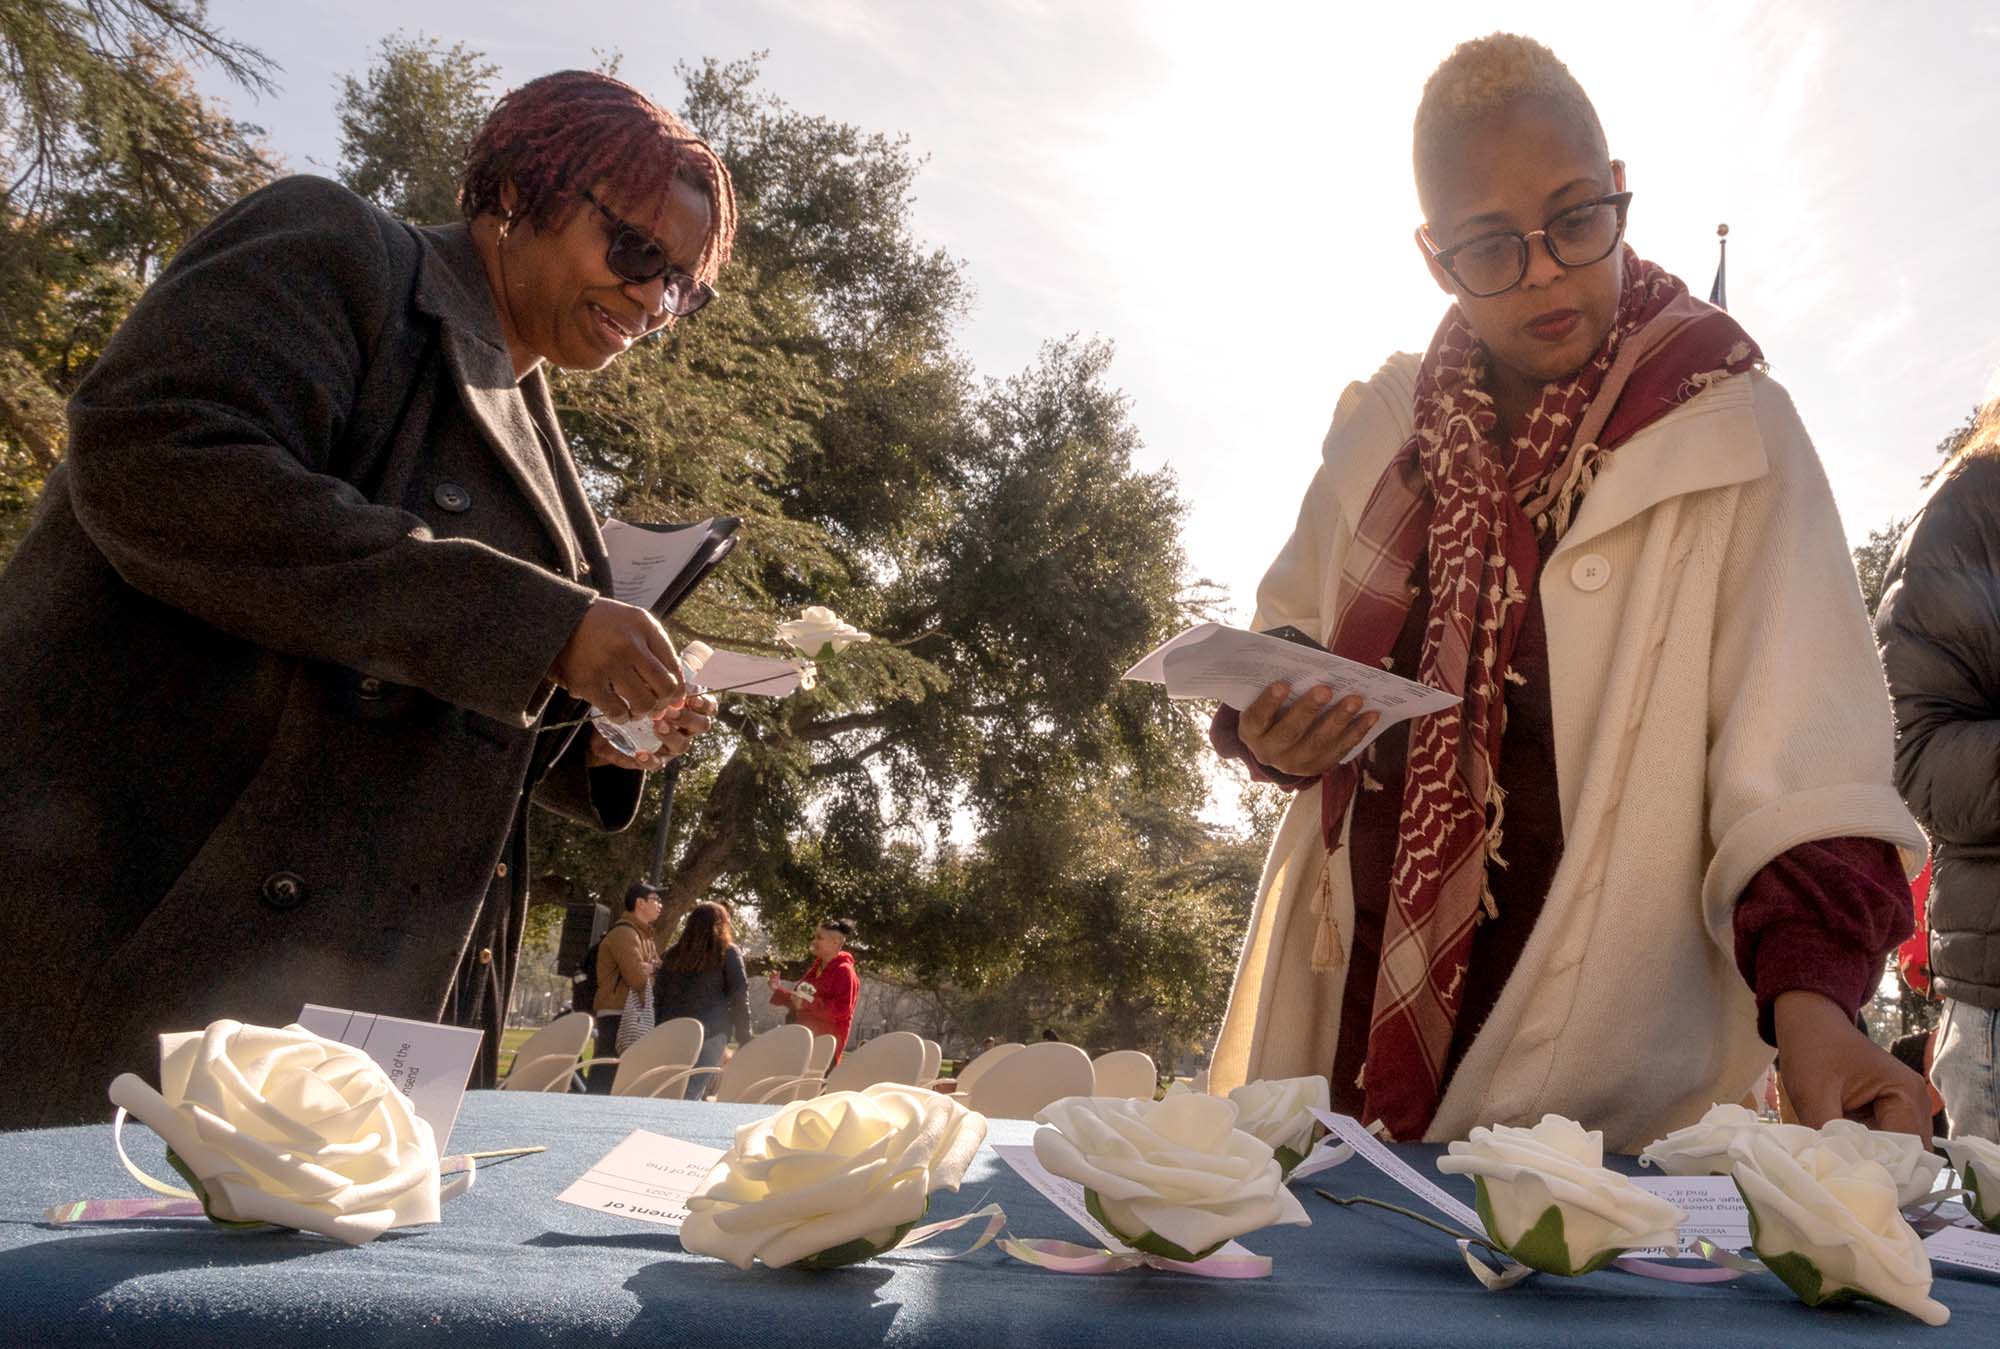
x: 1939, y: 626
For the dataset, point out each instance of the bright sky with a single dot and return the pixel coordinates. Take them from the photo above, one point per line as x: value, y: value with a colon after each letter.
x: 1225, y: 191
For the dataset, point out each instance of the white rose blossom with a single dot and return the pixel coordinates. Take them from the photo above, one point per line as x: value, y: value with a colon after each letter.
x: 1174, y: 1178
x: 832, y: 1180
x: 819, y: 632
x: 1912, y: 1167
x: 1548, y: 1200
x: 1978, y: 1163
x: 283, y: 1126
x: 1702, y: 1149
x: 1279, y: 1113
x: 1827, y: 1221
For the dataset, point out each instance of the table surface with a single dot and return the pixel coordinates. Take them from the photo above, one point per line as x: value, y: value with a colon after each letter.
x: 509, y: 1265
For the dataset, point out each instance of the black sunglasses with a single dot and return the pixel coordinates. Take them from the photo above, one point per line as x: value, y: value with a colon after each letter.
x: 637, y: 257
x: 1577, y: 236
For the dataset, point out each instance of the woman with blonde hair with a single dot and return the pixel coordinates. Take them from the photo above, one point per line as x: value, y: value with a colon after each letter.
x: 1939, y: 626
x: 1657, y: 836
x: 701, y: 976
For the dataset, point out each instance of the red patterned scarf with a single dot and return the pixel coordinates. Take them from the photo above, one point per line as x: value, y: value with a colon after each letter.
x: 1470, y: 513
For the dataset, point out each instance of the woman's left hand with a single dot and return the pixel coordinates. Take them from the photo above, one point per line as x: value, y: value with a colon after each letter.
x: 1832, y: 1071
x: 676, y: 727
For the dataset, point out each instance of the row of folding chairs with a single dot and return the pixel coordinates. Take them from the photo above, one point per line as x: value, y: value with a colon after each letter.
x: 790, y: 1063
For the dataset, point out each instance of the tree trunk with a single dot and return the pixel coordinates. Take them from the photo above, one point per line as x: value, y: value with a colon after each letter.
x: 711, y: 850
x: 30, y: 411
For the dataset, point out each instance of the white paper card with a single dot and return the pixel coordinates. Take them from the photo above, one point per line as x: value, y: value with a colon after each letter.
x: 428, y: 1062
x: 1235, y: 666
x: 1965, y: 1246
x: 1067, y: 1195
x: 644, y: 562
x: 1348, y: 1129
x: 1713, y: 1206
x: 648, y: 1176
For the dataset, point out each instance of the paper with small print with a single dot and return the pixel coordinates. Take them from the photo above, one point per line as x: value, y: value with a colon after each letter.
x: 1714, y: 1209
x: 648, y: 1177
x: 1235, y: 666
x: 1349, y: 1131
x: 645, y: 561
x: 429, y: 1063
x: 762, y: 676
x: 1067, y: 1195
x: 1966, y: 1246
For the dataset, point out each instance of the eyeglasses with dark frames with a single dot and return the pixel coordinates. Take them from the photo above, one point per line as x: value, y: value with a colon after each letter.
x: 635, y: 256
x: 1576, y: 236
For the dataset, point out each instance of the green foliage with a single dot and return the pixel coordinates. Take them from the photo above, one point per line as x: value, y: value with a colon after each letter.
x: 405, y: 128
x: 1543, y: 1246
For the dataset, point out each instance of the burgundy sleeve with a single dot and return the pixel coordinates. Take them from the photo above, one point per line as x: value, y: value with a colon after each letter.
x: 1822, y: 917
x: 1223, y: 736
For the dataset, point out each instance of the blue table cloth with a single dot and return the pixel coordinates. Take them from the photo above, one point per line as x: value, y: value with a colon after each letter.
x: 511, y: 1266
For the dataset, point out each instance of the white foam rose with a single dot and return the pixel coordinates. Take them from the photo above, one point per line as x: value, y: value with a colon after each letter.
x: 1524, y: 1174
x: 1702, y: 1148
x: 1173, y: 1177
x: 1978, y: 1163
x: 818, y: 631
x: 1279, y: 1112
x: 282, y: 1126
x: 1828, y: 1222
x: 832, y: 1180
x: 1913, y: 1167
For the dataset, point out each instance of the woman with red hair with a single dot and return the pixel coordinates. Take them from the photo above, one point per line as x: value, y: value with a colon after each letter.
x: 318, y: 599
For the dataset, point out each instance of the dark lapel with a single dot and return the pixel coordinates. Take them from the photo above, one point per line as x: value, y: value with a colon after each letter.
x: 582, y: 515
x: 452, y: 288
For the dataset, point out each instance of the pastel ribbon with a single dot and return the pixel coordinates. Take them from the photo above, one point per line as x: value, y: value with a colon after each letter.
x: 1063, y: 1257
x: 996, y: 1220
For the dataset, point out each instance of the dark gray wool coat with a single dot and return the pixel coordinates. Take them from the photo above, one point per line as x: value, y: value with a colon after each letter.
x: 1939, y: 626
x: 275, y: 655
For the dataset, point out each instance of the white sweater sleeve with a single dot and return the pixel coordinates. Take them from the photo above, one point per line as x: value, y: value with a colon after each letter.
x: 1800, y: 733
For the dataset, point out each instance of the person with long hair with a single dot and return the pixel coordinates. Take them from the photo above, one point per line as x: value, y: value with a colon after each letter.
x: 1657, y: 834
x: 701, y: 975
x: 316, y: 605
x: 1939, y: 626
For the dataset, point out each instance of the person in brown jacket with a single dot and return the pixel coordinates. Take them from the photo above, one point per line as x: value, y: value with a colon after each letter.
x: 627, y: 959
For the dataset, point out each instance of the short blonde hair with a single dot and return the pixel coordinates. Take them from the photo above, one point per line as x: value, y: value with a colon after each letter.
x: 1482, y: 79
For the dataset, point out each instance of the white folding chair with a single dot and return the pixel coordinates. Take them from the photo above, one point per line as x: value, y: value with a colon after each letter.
x: 1125, y: 1072
x: 933, y: 1060
x: 895, y: 1057
x: 976, y: 1069
x: 546, y: 1059
x: 1025, y: 1081
x: 767, y: 1068
x: 643, y: 1070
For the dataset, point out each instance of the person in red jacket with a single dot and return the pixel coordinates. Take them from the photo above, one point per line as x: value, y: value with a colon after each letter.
x: 835, y: 983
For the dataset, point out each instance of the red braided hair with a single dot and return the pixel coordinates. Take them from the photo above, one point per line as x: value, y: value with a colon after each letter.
x: 558, y: 136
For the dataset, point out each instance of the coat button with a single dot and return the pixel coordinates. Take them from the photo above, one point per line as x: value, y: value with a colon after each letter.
x: 451, y: 497
x: 1591, y: 572
x: 283, y: 890
x: 486, y: 955
x: 501, y: 871
x: 370, y: 687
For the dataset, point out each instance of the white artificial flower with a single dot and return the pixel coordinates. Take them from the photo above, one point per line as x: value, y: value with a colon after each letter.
x: 1279, y: 1112
x: 1978, y: 1163
x: 1558, y: 1166
x: 1828, y: 1222
x: 282, y: 1126
x: 832, y: 1180
x: 1702, y: 1148
x: 1911, y: 1166
x: 1173, y: 1177
x: 819, y: 632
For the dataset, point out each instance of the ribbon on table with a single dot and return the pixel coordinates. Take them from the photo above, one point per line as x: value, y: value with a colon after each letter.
x: 1065, y: 1257
x: 183, y: 1203
x: 996, y: 1220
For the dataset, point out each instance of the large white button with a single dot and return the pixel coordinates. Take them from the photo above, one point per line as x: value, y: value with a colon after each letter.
x: 1591, y: 572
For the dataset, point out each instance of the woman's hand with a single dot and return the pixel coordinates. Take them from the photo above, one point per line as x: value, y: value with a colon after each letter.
x: 676, y: 728
x: 1309, y: 737
x: 1832, y: 1071
x: 621, y: 661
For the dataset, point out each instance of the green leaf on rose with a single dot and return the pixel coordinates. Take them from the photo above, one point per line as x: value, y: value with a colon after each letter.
x: 1287, y: 1159
x: 1544, y: 1245
x: 861, y: 1248
x: 1799, y: 1272
x: 1976, y: 1205
x: 187, y: 1174
x: 1151, y: 1243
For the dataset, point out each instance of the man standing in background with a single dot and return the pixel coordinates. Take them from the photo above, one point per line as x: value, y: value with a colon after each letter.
x: 627, y: 959
x: 834, y: 983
